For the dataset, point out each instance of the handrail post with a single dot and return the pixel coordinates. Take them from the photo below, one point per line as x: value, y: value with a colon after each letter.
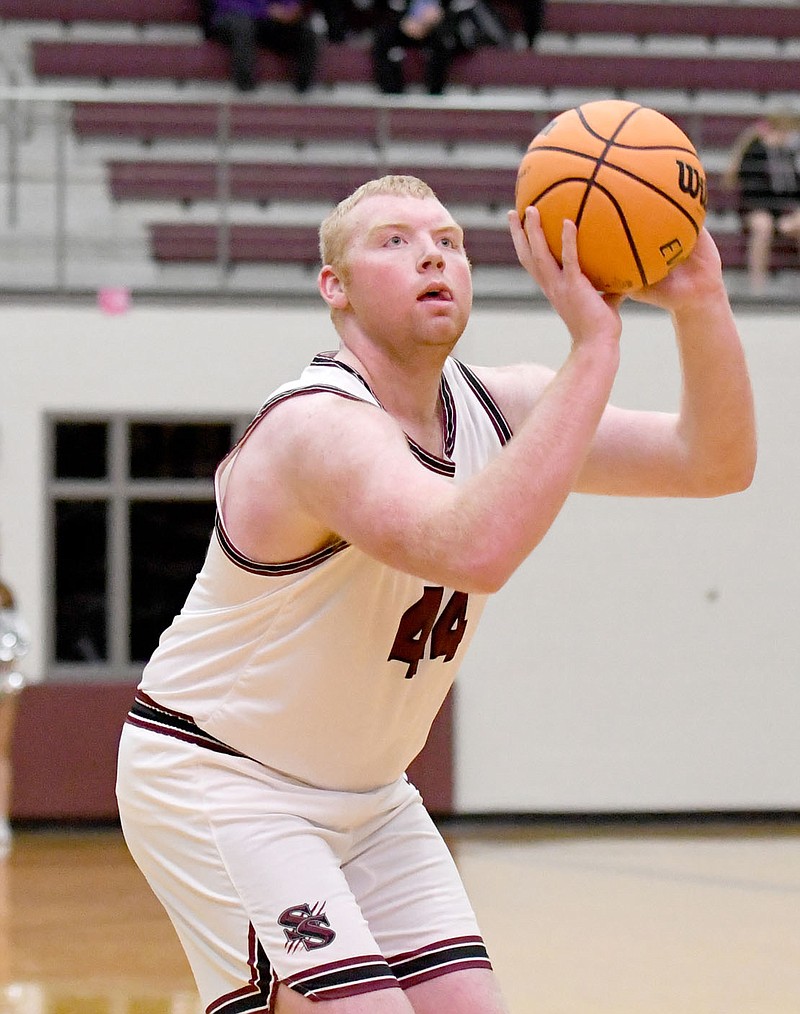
x: 12, y: 197
x: 223, y: 191
x: 60, y: 194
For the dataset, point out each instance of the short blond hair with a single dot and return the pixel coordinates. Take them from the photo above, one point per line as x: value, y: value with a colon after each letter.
x: 334, y: 235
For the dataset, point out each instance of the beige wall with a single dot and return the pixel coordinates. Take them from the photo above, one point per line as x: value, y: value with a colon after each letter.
x: 645, y: 657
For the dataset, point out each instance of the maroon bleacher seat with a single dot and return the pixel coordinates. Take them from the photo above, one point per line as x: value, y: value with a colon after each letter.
x: 173, y: 242
x: 345, y: 63
x: 714, y: 20
x: 733, y: 250
x: 301, y: 122
x: 299, y: 181
x: 137, y: 12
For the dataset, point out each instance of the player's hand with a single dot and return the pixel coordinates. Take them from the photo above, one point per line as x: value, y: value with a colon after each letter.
x: 697, y: 278
x: 586, y: 312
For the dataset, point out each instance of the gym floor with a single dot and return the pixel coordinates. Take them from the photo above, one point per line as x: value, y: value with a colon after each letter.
x: 579, y: 917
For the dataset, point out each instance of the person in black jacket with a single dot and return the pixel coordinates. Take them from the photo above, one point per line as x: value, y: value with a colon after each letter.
x: 765, y: 172
x: 441, y: 29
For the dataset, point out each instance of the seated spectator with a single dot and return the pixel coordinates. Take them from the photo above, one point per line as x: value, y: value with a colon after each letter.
x: 341, y: 17
x: 765, y: 171
x: 283, y: 26
x: 532, y: 14
x: 441, y: 28
x: 14, y: 643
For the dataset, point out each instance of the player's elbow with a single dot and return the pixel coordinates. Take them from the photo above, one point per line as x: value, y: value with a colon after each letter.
x: 489, y: 569
x: 734, y: 476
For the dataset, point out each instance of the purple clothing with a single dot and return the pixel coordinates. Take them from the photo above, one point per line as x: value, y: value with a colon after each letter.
x: 253, y: 8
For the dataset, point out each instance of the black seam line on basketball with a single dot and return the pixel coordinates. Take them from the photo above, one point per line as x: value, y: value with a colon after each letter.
x: 623, y: 147
x: 615, y: 202
x: 625, y: 172
x: 657, y: 190
x: 600, y: 161
x: 624, y: 223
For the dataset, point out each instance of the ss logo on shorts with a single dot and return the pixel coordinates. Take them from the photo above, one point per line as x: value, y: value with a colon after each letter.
x: 307, y: 927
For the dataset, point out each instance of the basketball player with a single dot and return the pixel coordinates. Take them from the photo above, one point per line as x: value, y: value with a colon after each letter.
x: 363, y: 518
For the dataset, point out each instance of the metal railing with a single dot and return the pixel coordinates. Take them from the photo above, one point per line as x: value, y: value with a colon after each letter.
x: 54, y: 183
x: 62, y: 232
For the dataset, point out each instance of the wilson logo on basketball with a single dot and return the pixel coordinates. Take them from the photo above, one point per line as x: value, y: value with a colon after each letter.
x: 306, y: 926
x: 691, y: 181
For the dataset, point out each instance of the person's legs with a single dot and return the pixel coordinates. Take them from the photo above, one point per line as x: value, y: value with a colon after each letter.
x: 238, y: 32
x: 8, y: 711
x: 438, y: 57
x: 388, y: 54
x: 255, y: 892
x: 297, y: 40
x: 474, y: 991
x: 385, y: 1001
x: 760, y: 230
x: 789, y: 225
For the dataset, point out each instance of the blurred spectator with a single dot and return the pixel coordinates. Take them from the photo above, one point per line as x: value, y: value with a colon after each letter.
x: 342, y: 18
x: 14, y: 643
x: 764, y: 170
x: 533, y: 12
x: 283, y: 26
x: 442, y: 29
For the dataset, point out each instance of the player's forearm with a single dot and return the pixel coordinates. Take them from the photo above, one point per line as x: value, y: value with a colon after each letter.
x: 717, y: 418
x: 502, y: 514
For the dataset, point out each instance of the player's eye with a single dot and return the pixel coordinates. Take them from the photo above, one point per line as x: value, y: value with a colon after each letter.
x: 394, y: 240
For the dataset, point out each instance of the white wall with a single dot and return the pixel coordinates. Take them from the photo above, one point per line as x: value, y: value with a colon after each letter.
x: 645, y: 657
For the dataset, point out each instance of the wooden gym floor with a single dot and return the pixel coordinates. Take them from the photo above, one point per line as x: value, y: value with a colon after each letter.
x: 580, y: 919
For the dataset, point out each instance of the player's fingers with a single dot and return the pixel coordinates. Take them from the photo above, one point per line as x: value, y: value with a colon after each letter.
x: 540, y: 260
x: 569, y: 245
x: 518, y: 236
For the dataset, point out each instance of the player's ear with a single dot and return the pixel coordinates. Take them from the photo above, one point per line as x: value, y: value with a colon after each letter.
x: 332, y: 288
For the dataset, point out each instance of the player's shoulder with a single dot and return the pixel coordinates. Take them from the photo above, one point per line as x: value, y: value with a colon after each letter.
x: 515, y: 387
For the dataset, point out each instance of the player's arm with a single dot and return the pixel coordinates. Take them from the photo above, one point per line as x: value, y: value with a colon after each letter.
x: 346, y: 466
x: 707, y: 448
x: 323, y: 467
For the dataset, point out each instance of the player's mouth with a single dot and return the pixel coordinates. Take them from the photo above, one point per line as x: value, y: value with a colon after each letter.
x: 436, y: 293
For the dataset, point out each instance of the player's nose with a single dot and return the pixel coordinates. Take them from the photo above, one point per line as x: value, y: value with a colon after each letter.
x: 430, y: 255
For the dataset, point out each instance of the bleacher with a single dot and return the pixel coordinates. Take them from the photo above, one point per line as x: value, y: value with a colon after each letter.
x: 226, y: 179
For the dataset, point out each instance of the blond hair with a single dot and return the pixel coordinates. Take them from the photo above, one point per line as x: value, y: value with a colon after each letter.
x: 334, y: 235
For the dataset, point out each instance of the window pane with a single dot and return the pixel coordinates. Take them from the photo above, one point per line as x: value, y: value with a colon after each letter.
x: 80, y: 552
x: 168, y: 545
x: 178, y: 451
x: 81, y: 450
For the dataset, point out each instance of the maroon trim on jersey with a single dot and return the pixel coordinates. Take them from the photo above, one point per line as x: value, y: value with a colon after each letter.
x: 339, y: 979
x: 480, y: 391
x: 432, y: 461
x: 442, y: 466
x: 145, y: 713
x: 274, y: 569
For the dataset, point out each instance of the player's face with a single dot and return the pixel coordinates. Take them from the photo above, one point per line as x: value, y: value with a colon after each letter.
x: 407, y: 271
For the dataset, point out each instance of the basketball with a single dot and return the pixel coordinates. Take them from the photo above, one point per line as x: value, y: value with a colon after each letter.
x: 629, y: 178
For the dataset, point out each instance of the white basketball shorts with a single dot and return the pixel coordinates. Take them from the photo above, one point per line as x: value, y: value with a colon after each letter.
x: 268, y: 880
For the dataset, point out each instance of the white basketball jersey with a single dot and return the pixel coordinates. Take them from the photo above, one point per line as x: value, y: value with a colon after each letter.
x: 332, y: 667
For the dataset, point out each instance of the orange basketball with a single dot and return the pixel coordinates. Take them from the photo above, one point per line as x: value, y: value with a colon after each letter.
x: 629, y: 178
